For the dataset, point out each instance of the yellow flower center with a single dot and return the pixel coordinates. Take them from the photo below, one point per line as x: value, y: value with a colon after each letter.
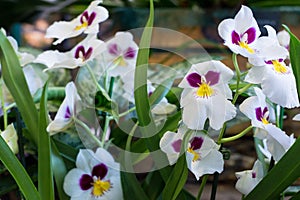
x: 204, y: 90
x: 196, y: 155
x: 99, y: 187
x: 246, y: 46
x: 83, y: 25
x: 280, y: 68
x: 264, y: 120
x: 120, y: 62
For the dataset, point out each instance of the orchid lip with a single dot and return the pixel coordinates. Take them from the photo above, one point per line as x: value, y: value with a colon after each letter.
x: 196, y: 143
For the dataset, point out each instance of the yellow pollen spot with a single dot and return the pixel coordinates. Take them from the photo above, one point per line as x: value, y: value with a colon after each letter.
x: 280, y: 68
x: 204, y: 90
x: 246, y: 46
x: 196, y: 155
x: 120, y: 61
x: 83, y: 25
x: 264, y: 121
x: 99, y: 187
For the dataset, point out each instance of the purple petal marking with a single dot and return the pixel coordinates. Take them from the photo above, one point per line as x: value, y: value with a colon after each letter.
x: 130, y: 53
x: 212, y: 77
x: 265, y: 111
x: 113, y: 49
x: 68, y: 113
x: 84, y: 17
x: 196, y: 143
x: 176, y: 145
x: 258, y: 113
x: 194, y: 79
x: 280, y: 60
x: 235, y: 38
x: 85, y: 182
x: 91, y: 18
x: 269, y: 62
x: 79, y: 50
x: 253, y: 174
x: 99, y: 171
x: 251, y: 33
x: 88, y: 53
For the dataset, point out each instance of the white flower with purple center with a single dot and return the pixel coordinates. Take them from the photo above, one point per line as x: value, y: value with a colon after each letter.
x: 257, y: 109
x: 276, y: 78
x: 202, y: 153
x: 83, y: 52
x: 247, y: 180
x: 205, y: 95
x: 96, y: 177
x: 240, y: 34
x: 120, y: 56
x: 67, y: 110
x: 87, y: 22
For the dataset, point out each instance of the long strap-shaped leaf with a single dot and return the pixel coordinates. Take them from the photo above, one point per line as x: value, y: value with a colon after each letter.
x: 140, y: 81
x: 45, y: 176
x: 294, y: 56
x: 18, y: 172
x: 282, y: 175
x: 16, y: 83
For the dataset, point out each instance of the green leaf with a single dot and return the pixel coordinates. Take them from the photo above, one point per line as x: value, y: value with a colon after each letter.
x: 15, y: 81
x: 176, y: 180
x: 161, y: 91
x: 18, y: 172
x: 45, y: 176
x: 294, y: 56
x: 140, y: 81
x: 282, y: 175
x: 59, y: 171
x: 131, y: 187
x: 153, y: 178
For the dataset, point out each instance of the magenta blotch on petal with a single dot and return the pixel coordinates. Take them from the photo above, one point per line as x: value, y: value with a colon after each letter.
x: 194, y: 79
x: 176, y: 145
x: 85, y: 182
x: 68, y: 113
x: 253, y: 174
x: 212, y: 77
x: 251, y: 34
x: 260, y: 113
x: 113, y: 49
x: 235, y: 38
x: 99, y: 171
x: 80, y: 52
x: 85, y: 17
x: 130, y: 53
x: 196, y: 143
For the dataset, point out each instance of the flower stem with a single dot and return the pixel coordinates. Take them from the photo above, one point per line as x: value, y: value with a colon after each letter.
x: 88, y: 131
x: 127, y: 112
x: 235, y: 137
x: 203, y: 183
x: 238, y: 77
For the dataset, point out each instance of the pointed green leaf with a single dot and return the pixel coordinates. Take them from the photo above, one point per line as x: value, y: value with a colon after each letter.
x: 161, y: 91
x: 59, y: 171
x: 45, y: 176
x: 294, y: 56
x: 18, y: 172
x: 16, y: 83
x: 282, y: 175
x: 140, y: 80
x: 176, y: 180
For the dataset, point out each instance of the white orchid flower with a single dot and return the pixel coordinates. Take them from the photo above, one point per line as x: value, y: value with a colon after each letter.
x: 240, y: 34
x: 87, y: 22
x: 97, y: 177
x: 205, y: 95
x: 66, y: 111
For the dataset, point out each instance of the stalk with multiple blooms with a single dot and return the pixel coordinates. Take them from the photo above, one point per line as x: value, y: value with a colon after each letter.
x: 121, y: 119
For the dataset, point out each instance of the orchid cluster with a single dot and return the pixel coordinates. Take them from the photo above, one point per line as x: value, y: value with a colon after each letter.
x: 209, y: 93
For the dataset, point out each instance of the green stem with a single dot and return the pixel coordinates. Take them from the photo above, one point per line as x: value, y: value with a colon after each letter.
x: 130, y: 135
x: 279, y: 117
x: 203, y: 183
x: 214, y: 186
x: 238, y: 77
x: 127, y: 112
x: 235, y: 137
x: 222, y: 131
x: 88, y: 131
